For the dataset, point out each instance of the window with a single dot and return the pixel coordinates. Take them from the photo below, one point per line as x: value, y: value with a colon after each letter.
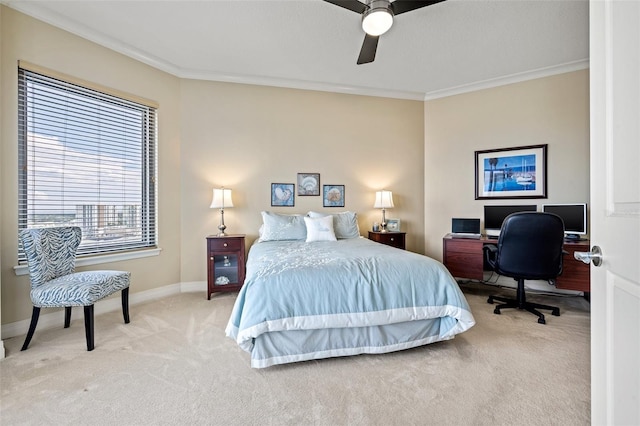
x: 86, y: 158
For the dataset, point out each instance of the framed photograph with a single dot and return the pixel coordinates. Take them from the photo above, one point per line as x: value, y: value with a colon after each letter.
x: 512, y: 172
x: 393, y: 225
x: 282, y: 194
x: 308, y: 184
x: 332, y: 195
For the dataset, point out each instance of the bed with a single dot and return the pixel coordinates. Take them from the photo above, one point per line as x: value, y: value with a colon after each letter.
x: 309, y: 298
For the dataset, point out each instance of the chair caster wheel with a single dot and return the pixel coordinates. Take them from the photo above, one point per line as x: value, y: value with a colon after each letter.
x: 496, y: 311
x: 490, y: 300
x: 541, y: 321
x: 556, y: 312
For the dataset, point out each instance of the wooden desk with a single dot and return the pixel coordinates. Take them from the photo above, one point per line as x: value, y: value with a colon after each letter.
x: 464, y: 259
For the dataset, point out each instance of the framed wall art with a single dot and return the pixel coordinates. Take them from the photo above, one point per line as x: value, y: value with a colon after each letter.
x: 282, y: 194
x: 308, y: 184
x: 511, y: 172
x: 332, y: 195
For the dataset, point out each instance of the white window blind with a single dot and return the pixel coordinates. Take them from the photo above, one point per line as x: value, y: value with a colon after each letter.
x: 86, y: 159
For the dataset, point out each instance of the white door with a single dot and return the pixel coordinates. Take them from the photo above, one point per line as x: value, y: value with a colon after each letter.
x: 615, y: 211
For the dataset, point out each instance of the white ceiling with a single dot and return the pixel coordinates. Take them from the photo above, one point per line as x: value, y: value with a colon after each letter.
x: 442, y: 49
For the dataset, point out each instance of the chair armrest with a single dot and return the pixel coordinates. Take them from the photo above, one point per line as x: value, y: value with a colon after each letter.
x: 490, y: 251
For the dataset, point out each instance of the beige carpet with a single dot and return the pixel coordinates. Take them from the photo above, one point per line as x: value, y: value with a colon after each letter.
x: 173, y: 365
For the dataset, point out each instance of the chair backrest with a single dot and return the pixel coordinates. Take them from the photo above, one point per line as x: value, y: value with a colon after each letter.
x: 51, y: 252
x: 530, y: 246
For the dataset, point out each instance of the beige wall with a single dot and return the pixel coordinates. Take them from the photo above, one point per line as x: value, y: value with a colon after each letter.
x: 210, y: 134
x: 552, y: 110
x: 246, y: 137
x: 24, y: 38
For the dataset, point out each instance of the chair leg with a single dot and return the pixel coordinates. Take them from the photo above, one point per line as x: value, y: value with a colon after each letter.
x: 67, y: 316
x: 32, y: 327
x: 520, y: 302
x: 125, y: 305
x: 88, y: 326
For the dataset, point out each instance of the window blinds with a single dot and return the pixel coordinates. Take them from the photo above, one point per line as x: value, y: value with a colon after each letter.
x: 87, y: 159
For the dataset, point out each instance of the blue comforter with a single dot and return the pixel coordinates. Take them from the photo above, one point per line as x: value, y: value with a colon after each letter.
x: 305, y: 301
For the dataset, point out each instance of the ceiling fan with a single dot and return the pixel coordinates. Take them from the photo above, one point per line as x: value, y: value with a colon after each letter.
x: 377, y: 18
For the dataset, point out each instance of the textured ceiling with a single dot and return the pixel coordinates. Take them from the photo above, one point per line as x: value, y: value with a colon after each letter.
x: 312, y: 44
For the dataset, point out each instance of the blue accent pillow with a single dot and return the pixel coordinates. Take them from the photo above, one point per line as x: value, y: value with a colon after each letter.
x: 279, y: 227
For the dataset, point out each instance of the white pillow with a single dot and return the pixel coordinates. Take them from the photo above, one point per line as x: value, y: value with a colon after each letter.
x: 320, y: 229
x: 345, y: 224
x: 278, y: 227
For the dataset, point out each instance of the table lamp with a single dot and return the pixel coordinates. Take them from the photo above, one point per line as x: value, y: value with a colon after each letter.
x: 384, y: 200
x: 221, y: 200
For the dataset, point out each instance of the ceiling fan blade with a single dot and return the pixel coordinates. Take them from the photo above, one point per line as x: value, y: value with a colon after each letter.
x: 368, y: 51
x: 353, y: 5
x: 402, y: 6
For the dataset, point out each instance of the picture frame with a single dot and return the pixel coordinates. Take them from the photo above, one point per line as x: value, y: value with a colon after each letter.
x: 332, y: 195
x: 393, y: 225
x: 283, y: 195
x: 308, y: 184
x: 519, y: 172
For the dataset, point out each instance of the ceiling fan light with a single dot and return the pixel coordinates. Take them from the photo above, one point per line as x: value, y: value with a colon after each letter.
x: 376, y: 22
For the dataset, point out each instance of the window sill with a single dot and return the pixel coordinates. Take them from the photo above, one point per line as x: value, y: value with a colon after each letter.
x: 96, y: 260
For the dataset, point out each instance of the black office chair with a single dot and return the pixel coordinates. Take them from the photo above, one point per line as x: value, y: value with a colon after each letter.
x: 529, y: 248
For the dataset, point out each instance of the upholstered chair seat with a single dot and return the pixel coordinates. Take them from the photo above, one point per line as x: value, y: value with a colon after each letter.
x: 55, y: 284
x: 79, y: 288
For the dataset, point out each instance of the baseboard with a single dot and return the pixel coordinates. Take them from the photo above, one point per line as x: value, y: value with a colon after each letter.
x: 56, y: 318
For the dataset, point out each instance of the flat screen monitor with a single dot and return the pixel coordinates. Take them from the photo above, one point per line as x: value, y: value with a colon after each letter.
x: 574, y: 217
x: 495, y: 215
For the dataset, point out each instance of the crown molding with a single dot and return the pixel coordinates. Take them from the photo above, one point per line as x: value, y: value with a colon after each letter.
x: 57, y: 20
x: 509, y: 79
x: 60, y: 21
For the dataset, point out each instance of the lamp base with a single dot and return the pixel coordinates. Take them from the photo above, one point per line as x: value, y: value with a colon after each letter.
x: 222, y: 226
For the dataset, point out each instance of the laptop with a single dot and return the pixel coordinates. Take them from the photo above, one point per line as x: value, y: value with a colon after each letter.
x: 465, y: 228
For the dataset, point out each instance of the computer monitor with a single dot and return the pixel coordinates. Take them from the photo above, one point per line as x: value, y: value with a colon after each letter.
x: 574, y: 217
x: 495, y: 215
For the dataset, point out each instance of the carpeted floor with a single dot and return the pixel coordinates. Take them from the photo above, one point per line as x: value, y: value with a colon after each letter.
x: 173, y: 365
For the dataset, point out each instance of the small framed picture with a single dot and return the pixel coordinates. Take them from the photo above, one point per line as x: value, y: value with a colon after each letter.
x: 393, y: 225
x: 308, y: 184
x: 332, y: 195
x: 282, y: 194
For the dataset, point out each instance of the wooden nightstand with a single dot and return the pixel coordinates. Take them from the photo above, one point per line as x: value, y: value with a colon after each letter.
x: 393, y: 239
x: 225, y: 263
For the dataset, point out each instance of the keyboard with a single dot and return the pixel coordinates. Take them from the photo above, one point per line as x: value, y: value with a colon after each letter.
x: 465, y: 235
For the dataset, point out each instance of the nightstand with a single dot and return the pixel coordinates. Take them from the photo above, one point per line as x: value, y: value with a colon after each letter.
x: 225, y: 263
x: 393, y: 239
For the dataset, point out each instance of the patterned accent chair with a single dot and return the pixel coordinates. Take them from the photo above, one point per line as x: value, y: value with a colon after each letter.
x: 51, y: 254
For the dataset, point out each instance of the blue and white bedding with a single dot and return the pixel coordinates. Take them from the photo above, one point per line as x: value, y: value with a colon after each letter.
x: 304, y: 301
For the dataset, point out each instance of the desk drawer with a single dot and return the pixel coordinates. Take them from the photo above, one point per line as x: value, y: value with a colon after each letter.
x: 462, y: 245
x: 575, y: 274
x: 464, y: 258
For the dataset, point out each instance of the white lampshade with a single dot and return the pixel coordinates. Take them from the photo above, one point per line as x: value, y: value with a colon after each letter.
x: 384, y: 200
x: 377, y: 21
x: 221, y: 199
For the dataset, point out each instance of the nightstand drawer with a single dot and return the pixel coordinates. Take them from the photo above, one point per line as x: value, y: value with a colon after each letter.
x: 393, y: 239
x: 222, y: 244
